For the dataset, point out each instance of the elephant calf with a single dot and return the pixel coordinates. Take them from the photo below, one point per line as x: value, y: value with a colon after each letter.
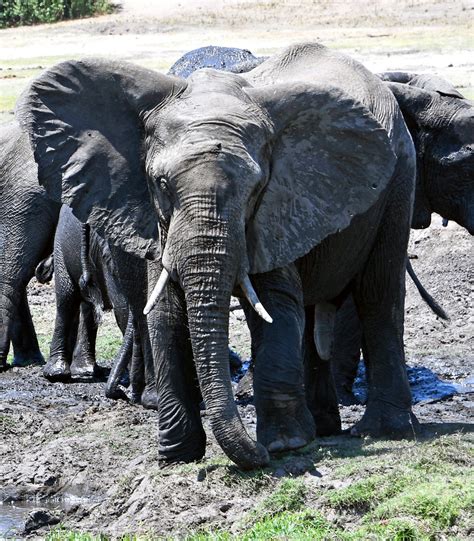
x: 87, y: 282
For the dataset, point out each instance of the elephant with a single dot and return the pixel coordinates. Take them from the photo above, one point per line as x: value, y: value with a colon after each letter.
x: 27, y: 222
x: 290, y: 186
x: 220, y: 58
x: 441, y: 123
x: 87, y: 282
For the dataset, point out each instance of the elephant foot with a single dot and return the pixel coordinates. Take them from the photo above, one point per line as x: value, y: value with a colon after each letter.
x: 84, y: 370
x: 149, y: 399
x: 188, y: 449
x: 115, y: 393
x: 4, y: 366
x: 57, y: 370
x: 27, y: 359
x: 382, y: 419
x: 284, y: 423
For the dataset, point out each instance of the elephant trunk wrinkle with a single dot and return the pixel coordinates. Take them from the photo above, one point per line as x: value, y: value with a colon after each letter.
x: 208, y: 300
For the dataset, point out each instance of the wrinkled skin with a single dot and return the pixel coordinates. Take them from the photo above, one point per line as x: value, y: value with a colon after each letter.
x: 256, y: 174
x: 27, y: 222
x: 88, y: 282
x: 441, y: 122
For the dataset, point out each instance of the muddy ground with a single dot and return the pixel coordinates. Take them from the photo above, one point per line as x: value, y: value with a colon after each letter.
x: 93, y: 461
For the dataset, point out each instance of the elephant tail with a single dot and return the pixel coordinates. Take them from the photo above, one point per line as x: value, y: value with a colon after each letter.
x: 45, y: 269
x: 430, y: 301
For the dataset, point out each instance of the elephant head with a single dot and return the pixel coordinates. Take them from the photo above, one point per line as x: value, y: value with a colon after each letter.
x: 240, y: 179
x: 441, y: 123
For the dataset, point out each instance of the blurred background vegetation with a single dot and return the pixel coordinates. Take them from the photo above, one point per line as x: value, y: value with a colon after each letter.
x: 21, y: 12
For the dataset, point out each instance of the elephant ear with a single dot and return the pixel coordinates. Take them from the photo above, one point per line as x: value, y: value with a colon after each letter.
x: 331, y: 160
x: 85, y: 122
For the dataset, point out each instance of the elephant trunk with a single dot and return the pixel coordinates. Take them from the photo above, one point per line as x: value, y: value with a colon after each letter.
x: 207, y: 273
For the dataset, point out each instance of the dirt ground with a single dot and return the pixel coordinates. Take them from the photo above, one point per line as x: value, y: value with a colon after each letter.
x: 93, y: 461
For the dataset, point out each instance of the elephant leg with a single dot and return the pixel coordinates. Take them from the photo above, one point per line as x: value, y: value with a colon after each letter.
x: 181, y: 434
x: 66, y: 324
x: 320, y: 389
x: 379, y: 294
x: 283, y: 419
x: 143, y: 354
x: 23, y: 336
x: 8, y: 314
x: 138, y: 378
x: 346, y: 353
x: 122, y: 360
x: 83, y: 367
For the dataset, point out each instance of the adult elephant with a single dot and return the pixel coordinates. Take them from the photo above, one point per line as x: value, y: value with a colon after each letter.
x: 441, y: 123
x: 300, y: 174
x: 27, y: 222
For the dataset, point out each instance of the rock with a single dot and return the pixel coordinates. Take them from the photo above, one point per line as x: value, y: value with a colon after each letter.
x: 38, y: 519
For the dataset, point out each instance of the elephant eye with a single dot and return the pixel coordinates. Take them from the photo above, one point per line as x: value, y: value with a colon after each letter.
x: 163, y: 194
x: 163, y: 185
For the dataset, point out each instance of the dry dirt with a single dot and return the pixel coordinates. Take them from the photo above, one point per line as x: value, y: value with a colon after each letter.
x: 94, y: 461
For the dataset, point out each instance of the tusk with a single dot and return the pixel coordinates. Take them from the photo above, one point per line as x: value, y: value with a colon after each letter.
x: 157, y: 291
x: 251, y: 296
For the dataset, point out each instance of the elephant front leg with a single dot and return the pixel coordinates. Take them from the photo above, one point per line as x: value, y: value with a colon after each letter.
x: 283, y: 419
x: 25, y: 343
x: 58, y: 367
x: 181, y: 434
x: 9, y: 300
x: 320, y: 389
x: 83, y: 367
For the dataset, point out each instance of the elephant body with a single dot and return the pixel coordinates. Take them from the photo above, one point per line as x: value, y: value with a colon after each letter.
x: 27, y: 222
x: 441, y: 123
x: 290, y: 186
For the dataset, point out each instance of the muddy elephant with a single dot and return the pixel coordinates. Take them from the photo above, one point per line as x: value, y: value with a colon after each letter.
x: 290, y: 186
x: 27, y: 222
x: 441, y: 123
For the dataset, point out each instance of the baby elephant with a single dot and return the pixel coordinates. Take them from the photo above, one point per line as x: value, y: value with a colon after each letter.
x: 85, y: 285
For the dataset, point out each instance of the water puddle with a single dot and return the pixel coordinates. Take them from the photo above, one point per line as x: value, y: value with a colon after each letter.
x: 425, y: 385
x: 13, y: 515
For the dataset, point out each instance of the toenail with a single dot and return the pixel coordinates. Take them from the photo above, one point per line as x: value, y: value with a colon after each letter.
x: 294, y: 443
x: 275, y: 446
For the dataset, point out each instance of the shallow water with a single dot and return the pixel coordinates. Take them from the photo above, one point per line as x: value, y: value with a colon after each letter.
x: 13, y: 516
x: 425, y: 385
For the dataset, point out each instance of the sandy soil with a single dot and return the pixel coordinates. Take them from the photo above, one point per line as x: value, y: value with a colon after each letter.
x: 94, y: 460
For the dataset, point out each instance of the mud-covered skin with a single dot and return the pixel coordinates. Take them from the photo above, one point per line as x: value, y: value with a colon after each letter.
x: 441, y: 123
x: 226, y: 169
x: 27, y: 222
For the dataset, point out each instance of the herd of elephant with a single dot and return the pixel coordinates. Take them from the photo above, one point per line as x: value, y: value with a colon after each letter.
x: 290, y: 182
